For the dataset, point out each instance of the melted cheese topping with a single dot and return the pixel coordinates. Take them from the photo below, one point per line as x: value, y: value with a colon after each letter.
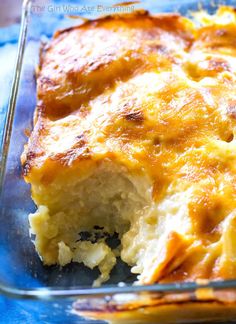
x: 134, y: 132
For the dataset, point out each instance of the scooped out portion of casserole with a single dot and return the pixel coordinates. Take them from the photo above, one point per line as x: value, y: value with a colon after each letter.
x: 134, y: 134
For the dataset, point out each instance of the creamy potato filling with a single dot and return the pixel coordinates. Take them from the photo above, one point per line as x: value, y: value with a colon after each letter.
x: 106, y: 202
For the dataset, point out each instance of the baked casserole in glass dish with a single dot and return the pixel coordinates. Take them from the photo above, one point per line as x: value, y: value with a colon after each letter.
x: 131, y: 160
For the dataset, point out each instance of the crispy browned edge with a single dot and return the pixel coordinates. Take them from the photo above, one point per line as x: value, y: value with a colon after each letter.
x: 33, y: 150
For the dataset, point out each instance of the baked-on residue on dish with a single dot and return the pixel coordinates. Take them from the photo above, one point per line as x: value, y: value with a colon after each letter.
x: 134, y: 134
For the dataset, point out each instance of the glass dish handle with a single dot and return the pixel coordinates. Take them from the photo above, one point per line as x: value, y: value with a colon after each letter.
x: 4, y: 145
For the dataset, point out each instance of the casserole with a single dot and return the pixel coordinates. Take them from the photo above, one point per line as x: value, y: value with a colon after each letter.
x: 9, y: 180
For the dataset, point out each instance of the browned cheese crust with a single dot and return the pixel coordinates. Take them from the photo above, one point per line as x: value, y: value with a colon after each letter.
x: 157, y: 96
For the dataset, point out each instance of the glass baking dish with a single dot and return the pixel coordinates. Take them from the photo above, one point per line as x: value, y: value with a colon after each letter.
x: 22, y: 274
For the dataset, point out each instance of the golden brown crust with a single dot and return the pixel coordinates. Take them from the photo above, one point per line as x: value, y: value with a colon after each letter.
x: 70, y: 76
x: 157, y: 95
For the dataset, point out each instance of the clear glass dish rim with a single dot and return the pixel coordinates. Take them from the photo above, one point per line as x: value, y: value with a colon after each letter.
x: 51, y: 293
